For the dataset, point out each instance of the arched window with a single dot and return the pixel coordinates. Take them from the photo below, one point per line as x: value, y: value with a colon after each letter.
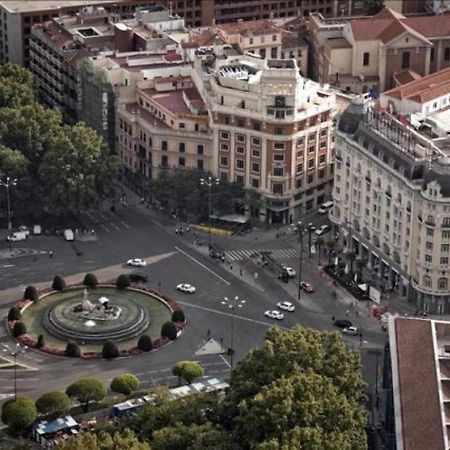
x: 443, y: 283
x: 446, y: 222
x: 426, y: 281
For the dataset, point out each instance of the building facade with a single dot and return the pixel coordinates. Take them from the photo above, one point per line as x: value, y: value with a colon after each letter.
x: 392, y: 191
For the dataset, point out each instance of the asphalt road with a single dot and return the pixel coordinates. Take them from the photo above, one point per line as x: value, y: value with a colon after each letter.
x: 173, y: 259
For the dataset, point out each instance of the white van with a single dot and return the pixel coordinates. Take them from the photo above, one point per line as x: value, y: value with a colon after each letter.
x: 17, y: 236
x: 325, y: 207
x: 68, y: 235
x: 37, y: 230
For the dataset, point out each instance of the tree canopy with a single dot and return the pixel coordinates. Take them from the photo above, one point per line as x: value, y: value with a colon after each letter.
x: 86, y: 391
x: 125, y: 383
x: 54, y: 404
x: 19, y: 413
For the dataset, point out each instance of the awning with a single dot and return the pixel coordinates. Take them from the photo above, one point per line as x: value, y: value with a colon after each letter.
x: 363, y: 287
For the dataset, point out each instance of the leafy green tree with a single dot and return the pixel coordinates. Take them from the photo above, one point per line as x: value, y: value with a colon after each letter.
x: 59, y: 284
x: 86, y: 391
x: 90, y: 280
x: 19, y: 329
x: 72, y: 350
x: 19, y: 413
x: 125, y: 384
x: 124, y: 439
x: 145, y: 343
x: 16, y: 86
x: 110, y: 350
x: 40, y: 341
x: 303, y: 388
x: 123, y: 281
x: 169, y: 331
x: 53, y: 404
x: 188, y: 371
x: 14, y: 313
x: 31, y: 293
x: 178, y: 316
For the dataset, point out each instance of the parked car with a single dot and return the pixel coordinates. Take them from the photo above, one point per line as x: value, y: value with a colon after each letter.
x: 68, y: 235
x: 37, y: 230
x: 138, y: 277
x: 307, y: 287
x: 24, y: 229
x: 274, y: 314
x: 352, y: 331
x: 322, y: 230
x: 291, y: 273
x: 187, y: 288
x: 342, y: 323
x: 286, y: 306
x: 325, y: 207
x: 136, y: 262
x: 17, y: 236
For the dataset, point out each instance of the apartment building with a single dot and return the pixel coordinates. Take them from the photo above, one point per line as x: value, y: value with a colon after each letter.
x: 379, y: 52
x: 271, y: 131
x: 392, y: 191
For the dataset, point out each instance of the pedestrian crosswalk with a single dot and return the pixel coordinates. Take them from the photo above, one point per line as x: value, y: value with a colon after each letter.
x: 106, y: 221
x: 278, y: 253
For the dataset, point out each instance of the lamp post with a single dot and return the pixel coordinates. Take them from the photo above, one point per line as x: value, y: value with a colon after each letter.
x: 14, y: 352
x: 311, y: 228
x: 301, y: 231
x: 210, y: 181
x: 8, y: 183
x: 232, y: 304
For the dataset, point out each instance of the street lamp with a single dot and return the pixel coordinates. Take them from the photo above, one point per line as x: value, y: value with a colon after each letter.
x: 311, y: 228
x: 210, y: 181
x: 232, y: 304
x: 17, y: 350
x: 8, y: 183
x: 301, y: 231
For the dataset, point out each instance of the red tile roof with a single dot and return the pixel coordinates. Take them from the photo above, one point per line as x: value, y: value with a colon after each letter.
x: 421, y: 418
x: 406, y: 76
x: 424, y: 89
x: 388, y: 13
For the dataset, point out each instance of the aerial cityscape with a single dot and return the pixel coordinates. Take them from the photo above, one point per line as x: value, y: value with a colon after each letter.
x: 225, y: 224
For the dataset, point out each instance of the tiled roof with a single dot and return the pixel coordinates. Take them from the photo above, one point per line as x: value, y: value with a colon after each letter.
x: 420, y: 414
x: 406, y: 76
x: 396, y: 28
x: 289, y: 40
x: 431, y: 26
x: 424, y: 89
x: 253, y: 27
x: 388, y: 13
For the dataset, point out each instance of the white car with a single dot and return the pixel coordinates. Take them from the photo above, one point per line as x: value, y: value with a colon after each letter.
x: 290, y: 271
x: 274, y: 314
x: 352, y: 331
x: 286, y: 306
x: 136, y: 262
x: 68, y: 235
x: 322, y: 230
x: 24, y: 229
x: 188, y: 288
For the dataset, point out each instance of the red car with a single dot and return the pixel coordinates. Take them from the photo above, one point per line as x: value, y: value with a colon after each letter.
x: 307, y: 287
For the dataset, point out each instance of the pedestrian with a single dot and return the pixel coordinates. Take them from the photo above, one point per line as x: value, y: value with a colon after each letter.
x: 240, y: 272
x: 231, y: 267
x: 333, y: 319
x: 208, y: 335
x: 50, y: 254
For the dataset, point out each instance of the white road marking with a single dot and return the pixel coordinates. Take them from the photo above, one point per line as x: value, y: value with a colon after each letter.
x: 113, y: 225
x: 225, y: 361
x: 124, y: 224
x: 6, y: 266
x: 202, y: 265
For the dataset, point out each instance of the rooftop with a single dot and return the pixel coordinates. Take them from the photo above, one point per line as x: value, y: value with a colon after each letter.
x: 23, y: 6
x: 337, y: 43
x: 250, y: 28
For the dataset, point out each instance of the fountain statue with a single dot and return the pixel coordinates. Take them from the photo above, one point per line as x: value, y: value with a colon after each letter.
x: 99, y: 310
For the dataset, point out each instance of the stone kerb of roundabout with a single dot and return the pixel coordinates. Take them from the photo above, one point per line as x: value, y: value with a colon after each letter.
x: 93, y: 316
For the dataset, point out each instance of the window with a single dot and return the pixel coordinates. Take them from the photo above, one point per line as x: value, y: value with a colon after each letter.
x: 163, y: 145
x: 405, y: 60
x: 426, y: 281
x: 311, y: 149
x: 255, y: 167
x: 226, y: 120
x: 255, y: 183
x: 224, y: 176
x: 447, y: 54
x: 430, y: 232
x: 300, y: 141
x: 278, y: 145
x: 366, y: 58
x: 240, y: 137
x: 224, y: 147
x: 321, y: 159
x: 446, y: 222
x: 200, y: 164
x: 182, y: 125
x: 442, y: 283
x: 299, y: 168
x: 239, y: 179
x: 298, y: 184
x: 445, y: 234
x: 429, y: 245
x: 310, y: 164
x: 274, y: 38
x: 428, y: 258
x: 240, y: 149
x: 278, y: 130
x: 199, y: 149
x: 182, y: 147
x: 181, y: 162
x: 241, y: 123
x: 310, y: 179
x: 224, y: 135
x: 256, y: 141
x: 256, y: 126
x: 274, y: 52
x: 250, y: 41
x: 239, y: 163
x: 444, y: 260
x: 255, y: 153
x: 445, y: 248
x: 277, y: 188
x: 278, y: 172
x: 300, y: 154
x: 321, y: 173
x: 164, y: 161
x: 278, y: 157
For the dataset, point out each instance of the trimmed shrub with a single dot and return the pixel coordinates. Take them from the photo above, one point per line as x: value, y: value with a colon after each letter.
x: 145, y: 343
x: 14, y: 314
x: 123, y: 281
x: 40, y: 341
x: 90, y: 280
x: 72, y: 350
x: 59, y: 283
x: 169, y: 331
x: 125, y: 384
x: 19, y: 329
x: 178, y: 316
x: 31, y: 293
x: 53, y: 404
x: 19, y: 414
x: 110, y: 350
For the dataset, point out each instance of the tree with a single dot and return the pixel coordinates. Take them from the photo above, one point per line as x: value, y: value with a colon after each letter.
x: 145, y: 343
x: 123, y: 439
x: 90, y: 280
x: 19, y: 413
x: 110, y: 350
x: 40, y: 341
x: 14, y: 313
x: 169, y: 331
x: 86, y: 391
x: 374, y: 7
x: 123, y: 281
x: 19, y: 329
x: 125, y: 384
x: 72, y: 350
x: 59, y: 284
x: 53, y: 404
x: 31, y: 293
x: 16, y: 86
x: 178, y: 316
x: 187, y: 370
x: 304, y: 387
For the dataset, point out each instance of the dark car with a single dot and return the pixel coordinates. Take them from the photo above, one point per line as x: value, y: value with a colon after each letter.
x: 138, y: 277
x: 342, y: 323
